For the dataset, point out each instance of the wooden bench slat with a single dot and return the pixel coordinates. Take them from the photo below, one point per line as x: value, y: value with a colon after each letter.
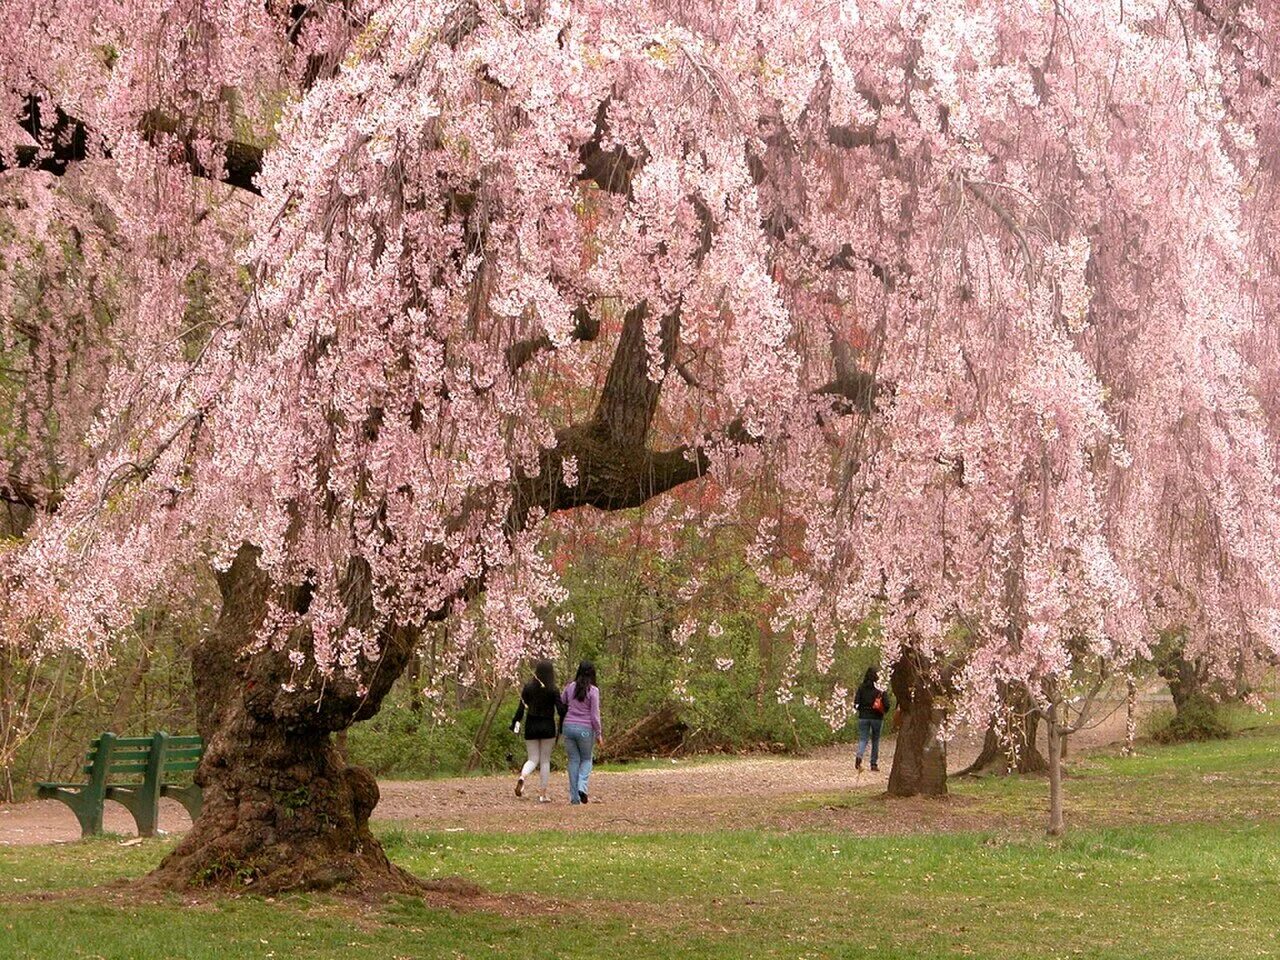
x: 123, y: 741
x: 126, y: 767
x: 182, y: 765
x: 185, y: 752
x: 127, y: 755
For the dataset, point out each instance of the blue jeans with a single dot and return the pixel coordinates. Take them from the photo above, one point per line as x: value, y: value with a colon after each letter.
x: 870, y: 730
x: 579, y: 742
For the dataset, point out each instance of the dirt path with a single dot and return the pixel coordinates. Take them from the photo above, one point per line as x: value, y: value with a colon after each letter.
x: 778, y: 792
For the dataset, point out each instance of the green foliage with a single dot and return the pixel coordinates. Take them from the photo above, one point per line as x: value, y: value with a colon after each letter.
x: 724, y: 680
x: 402, y: 742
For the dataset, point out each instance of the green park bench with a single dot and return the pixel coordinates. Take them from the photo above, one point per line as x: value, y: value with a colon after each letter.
x: 136, y: 772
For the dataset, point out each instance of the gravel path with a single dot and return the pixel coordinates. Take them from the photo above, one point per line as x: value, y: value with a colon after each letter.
x: 777, y: 792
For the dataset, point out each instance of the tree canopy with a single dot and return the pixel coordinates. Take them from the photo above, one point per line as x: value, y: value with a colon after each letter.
x: 982, y: 293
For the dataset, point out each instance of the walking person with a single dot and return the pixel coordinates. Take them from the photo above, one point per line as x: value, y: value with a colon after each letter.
x: 872, y: 704
x: 543, y: 713
x: 581, y: 728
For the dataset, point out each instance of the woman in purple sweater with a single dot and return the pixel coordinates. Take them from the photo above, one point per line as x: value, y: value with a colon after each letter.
x: 581, y: 728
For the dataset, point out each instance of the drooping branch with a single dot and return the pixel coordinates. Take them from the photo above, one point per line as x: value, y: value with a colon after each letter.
x: 1230, y: 29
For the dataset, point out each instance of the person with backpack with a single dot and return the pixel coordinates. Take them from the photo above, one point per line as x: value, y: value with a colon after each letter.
x: 543, y: 714
x: 581, y: 728
x: 872, y: 704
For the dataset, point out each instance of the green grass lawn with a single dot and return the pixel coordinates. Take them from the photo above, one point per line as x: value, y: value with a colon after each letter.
x: 1175, y: 853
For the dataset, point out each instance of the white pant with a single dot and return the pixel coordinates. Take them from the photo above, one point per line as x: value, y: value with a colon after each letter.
x: 539, y: 756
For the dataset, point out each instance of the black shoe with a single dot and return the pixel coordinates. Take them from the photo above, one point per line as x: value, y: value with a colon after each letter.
x: 857, y: 763
x: 875, y: 768
x: 582, y: 796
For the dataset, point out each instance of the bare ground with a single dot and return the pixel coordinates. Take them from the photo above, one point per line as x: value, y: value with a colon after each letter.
x: 776, y: 792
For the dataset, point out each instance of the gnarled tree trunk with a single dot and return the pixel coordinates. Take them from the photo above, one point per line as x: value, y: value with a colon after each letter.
x: 282, y: 809
x: 920, y: 754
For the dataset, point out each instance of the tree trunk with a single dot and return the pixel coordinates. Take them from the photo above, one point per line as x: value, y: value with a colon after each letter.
x: 282, y: 810
x: 1131, y: 716
x: 1056, y: 824
x: 1183, y: 678
x: 919, y: 755
x: 1017, y: 752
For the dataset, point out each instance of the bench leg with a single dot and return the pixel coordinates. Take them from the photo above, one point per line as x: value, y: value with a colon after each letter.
x: 86, y: 807
x: 89, y: 814
x: 143, y: 804
x: 191, y: 797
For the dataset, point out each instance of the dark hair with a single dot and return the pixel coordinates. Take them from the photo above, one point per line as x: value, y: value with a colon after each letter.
x: 585, y: 680
x: 870, y: 677
x: 545, y: 671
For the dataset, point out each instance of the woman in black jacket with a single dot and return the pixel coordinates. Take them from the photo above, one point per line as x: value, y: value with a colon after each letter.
x: 872, y: 704
x: 542, y: 711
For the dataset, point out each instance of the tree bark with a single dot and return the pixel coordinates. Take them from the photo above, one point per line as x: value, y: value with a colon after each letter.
x: 919, y: 755
x: 1184, y: 677
x: 282, y: 809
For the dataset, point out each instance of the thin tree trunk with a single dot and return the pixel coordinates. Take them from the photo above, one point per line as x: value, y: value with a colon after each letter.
x: 1056, y: 824
x: 486, y: 725
x: 1131, y: 716
x: 128, y: 691
x: 919, y: 755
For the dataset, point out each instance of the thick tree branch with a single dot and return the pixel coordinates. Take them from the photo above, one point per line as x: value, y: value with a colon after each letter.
x: 68, y: 141
x: 68, y: 137
x: 242, y: 162
x: 586, y: 329
x: 629, y: 398
x: 616, y: 476
x: 19, y: 493
x: 610, y: 170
